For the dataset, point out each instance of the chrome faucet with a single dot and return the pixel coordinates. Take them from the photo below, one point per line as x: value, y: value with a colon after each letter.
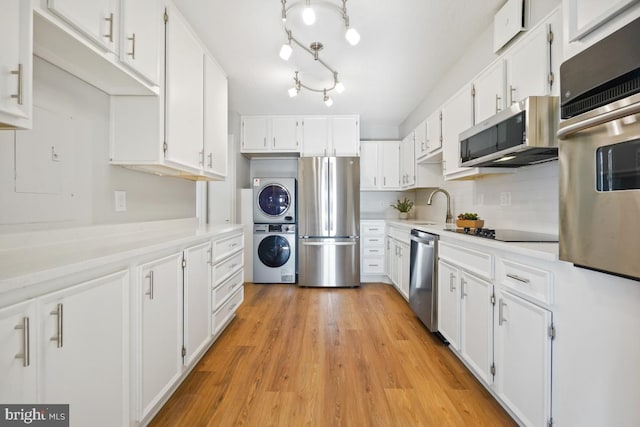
x: 449, y: 219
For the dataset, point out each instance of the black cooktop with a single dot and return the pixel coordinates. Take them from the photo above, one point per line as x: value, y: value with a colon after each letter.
x: 507, y: 235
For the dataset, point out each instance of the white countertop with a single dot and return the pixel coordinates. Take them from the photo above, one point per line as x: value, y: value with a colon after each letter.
x: 47, y: 255
x: 545, y: 251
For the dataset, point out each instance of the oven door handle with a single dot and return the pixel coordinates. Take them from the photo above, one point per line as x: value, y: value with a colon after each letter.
x: 567, y: 130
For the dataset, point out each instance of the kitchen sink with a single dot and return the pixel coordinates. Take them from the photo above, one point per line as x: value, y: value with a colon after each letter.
x: 424, y: 223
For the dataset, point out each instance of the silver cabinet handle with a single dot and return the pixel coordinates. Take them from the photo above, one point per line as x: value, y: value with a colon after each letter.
x: 210, y: 161
x: 374, y: 250
x: 132, y: 39
x: 451, y: 282
x: 374, y: 181
x: 511, y: 91
x: 110, y: 21
x: 274, y: 142
x: 384, y: 180
x: 201, y: 156
x: 233, y: 245
x: 210, y: 260
x: 150, y: 292
x: 518, y: 278
x: 462, y: 292
x: 18, y: 96
x: 498, y: 99
x: 264, y: 141
x: 59, y: 334
x: 501, y: 318
x: 26, y: 354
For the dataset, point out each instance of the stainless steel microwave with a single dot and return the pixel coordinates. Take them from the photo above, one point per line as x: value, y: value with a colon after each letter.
x: 600, y: 155
x: 523, y: 134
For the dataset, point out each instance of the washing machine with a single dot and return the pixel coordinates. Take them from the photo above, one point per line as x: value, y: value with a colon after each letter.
x: 274, y: 253
x: 274, y: 200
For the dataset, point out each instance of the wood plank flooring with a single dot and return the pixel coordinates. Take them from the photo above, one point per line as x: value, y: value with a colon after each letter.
x: 329, y: 357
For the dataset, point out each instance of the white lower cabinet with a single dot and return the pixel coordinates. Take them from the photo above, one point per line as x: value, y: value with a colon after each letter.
x: 449, y: 304
x: 160, y: 293
x: 476, y: 324
x: 18, y: 356
x: 372, y: 247
x: 400, y: 261
x: 227, y: 280
x: 523, y: 337
x: 197, y: 305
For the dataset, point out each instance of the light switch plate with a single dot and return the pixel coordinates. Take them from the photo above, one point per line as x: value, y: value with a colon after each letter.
x: 120, y: 200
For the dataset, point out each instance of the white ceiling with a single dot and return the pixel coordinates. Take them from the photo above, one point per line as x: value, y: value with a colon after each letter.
x: 406, y: 47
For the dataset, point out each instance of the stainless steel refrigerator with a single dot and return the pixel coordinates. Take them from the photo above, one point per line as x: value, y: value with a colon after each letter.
x: 329, y: 221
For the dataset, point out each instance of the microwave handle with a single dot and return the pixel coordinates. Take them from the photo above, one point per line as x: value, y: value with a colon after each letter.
x: 566, y: 131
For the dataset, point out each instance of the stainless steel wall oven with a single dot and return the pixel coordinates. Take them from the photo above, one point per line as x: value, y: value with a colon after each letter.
x: 599, y: 153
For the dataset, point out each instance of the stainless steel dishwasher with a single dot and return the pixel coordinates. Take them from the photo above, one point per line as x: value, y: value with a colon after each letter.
x: 423, y: 285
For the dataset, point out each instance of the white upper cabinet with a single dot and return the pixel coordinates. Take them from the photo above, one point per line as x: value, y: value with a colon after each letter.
x: 215, y: 118
x: 184, y: 93
x: 379, y: 165
x: 488, y: 92
x: 97, y: 19
x: 369, y: 159
x: 434, y: 131
x: 271, y: 134
x: 407, y: 162
x: 456, y: 118
x: 139, y: 37
x: 533, y: 62
x: 331, y: 136
x: 16, y: 22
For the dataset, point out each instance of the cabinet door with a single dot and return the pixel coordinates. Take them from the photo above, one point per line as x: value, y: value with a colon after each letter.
x: 489, y: 91
x: 389, y: 164
x: 141, y: 37
x: 315, y: 137
x: 476, y: 324
x: 389, y: 258
x: 434, y: 131
x: 96, y: 19
x: 404, y: 263
x: 254, y: 134
x: 16, y: 63
x: 449, y: 304
x: 456, y: 118
x: 523, y: 358
x: 18, y: 353
x: 407, y: 162
x: 532, y: 61
x: 184, y: 93
x: 84, y: 350
x: 420, y: 139
x: 160, y: 290
x: 369, y: 165
x: 197, y: 301
x: 284, y: 134
x: 215, y: 118
x: 345, y: 137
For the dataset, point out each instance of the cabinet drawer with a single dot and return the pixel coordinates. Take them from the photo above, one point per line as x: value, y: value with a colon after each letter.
x: 401, y: 234
x: 527, y: 280
x: 373, y: 241
x: 220, y: 293
x: 228, y: 309
x: 373, y: 265
x: 226, y: 268
x: 477, y: 262
x: 373, y: 251
x: 371, y: 228
x: 224, y: 247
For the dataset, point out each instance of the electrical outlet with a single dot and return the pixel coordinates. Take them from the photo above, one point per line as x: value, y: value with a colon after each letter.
x: 120, y: 200
x: 505, y: 198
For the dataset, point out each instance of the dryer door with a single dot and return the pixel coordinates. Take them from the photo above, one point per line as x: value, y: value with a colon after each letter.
x: 274, y: 200
x: 274, y: 251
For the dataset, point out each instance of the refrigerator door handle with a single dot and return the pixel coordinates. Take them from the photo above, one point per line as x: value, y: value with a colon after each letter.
x: 326, y: 197
x: 332, y: 194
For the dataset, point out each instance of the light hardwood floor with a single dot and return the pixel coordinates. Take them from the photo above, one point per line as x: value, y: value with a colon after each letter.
x: 329, y: 357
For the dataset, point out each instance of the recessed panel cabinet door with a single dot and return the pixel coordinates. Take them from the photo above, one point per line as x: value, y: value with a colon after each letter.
x: 184, y: 94
x: 523, y: 358
x: 449, y: 304
x: 97, y: 19
x: 160, y: 290
x: 84, y: 350
x: 18, y: 357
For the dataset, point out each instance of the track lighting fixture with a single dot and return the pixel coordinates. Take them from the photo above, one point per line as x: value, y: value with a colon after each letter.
x: 309, y: 17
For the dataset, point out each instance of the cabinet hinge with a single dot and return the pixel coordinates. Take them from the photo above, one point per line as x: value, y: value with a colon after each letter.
x: 551, y: 78
x: 493, y: 300
x: 184, y: 351
x: 473, y: 90
x: 165, y: 16
x: 550, y: 423
x: 493, y: 369
x: 550, y: 36
x: 164, y: 148
x: 184, y: 263
x: 552, y: 331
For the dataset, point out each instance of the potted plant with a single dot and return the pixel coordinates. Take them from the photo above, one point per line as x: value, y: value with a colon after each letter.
x: 469, y: 220
x: 403, y: 207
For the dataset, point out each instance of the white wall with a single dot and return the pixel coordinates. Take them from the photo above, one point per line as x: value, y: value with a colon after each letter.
x: 86, y: 195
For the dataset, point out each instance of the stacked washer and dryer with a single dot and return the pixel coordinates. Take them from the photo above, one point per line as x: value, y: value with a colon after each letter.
x: 274, y: 230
